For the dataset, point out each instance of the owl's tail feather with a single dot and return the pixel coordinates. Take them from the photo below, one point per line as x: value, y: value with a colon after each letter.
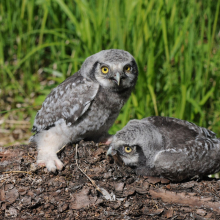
x: 208, y: 133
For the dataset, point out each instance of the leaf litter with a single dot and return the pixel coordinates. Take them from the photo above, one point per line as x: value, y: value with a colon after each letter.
x: 91, y: 186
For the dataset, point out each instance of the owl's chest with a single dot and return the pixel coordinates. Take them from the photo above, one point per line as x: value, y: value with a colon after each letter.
x: 101, y: 114
x: 104, y: 109
x: 110, y: 101
x: 99, y: 117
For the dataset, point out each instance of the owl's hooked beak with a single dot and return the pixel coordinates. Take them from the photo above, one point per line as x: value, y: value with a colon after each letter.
x: 117, y: 78
x: 111, y: 152
x: 114, y: 154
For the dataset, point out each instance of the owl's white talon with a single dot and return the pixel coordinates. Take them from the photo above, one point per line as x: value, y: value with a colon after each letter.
x: 107, y: 139
x: 52, y: 164
x: 49, y: 159
x: 59, y: 164
x: 41, y: 163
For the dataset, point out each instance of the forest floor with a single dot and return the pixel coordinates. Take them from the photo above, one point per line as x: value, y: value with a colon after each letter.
x: 31, y: 192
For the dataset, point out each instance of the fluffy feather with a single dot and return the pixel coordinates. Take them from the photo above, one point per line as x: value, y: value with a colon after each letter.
x: 168, y: 147
x: 85, y: 105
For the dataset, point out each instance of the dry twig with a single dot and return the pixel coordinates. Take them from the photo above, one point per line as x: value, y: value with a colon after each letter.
x: 61, y: 149
x: 92, y: 181
x: 16, y: 171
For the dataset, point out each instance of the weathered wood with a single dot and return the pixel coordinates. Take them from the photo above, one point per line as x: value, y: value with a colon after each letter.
x: 183, y: 198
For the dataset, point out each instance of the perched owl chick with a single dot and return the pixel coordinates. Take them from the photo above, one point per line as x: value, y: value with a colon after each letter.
x: 85, y: 105
x: 167, y: 147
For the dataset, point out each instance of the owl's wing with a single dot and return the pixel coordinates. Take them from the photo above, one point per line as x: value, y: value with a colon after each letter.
x: 179, y: 131
x: 68, y: 101
x: 196, y: 157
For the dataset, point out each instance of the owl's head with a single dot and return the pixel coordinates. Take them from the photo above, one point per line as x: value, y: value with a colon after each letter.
x: 113, y: 69
x: 135, y: 144
x: 127, y: 145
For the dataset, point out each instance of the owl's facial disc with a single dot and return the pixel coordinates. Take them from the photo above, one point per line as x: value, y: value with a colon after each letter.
x: 116, y: 75
x: 112, y: 72
x: 128, y: 154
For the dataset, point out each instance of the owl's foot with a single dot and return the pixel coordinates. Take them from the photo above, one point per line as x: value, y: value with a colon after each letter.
x: 52, y: 163
x: 106, y: 140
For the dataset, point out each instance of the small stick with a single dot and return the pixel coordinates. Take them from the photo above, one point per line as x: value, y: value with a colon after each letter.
x: 17, y: 172
x: 156, y: 206
x: 32, y: 157
x: 61, y: 149
x: 92, y: 181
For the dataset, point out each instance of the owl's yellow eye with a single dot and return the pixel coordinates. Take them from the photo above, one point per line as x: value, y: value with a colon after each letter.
x: 127, y: 68
x: 128, y: 149
x: 104, y: 69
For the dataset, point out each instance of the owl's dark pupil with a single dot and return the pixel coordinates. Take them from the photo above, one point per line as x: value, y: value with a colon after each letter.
x: 105, y: 69
x: 127, y: 68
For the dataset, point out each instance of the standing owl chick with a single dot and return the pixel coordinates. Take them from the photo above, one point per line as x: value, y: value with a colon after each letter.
x: 167, y: 147
x: 85, y: 105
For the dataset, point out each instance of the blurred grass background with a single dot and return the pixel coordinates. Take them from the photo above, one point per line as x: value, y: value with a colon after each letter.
x: 176, y: 44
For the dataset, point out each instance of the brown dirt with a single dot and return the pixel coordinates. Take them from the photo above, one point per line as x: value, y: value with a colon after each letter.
x: 30, y: 192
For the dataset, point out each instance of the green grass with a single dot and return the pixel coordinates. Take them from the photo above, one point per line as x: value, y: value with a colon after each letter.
x: 176, y: 44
